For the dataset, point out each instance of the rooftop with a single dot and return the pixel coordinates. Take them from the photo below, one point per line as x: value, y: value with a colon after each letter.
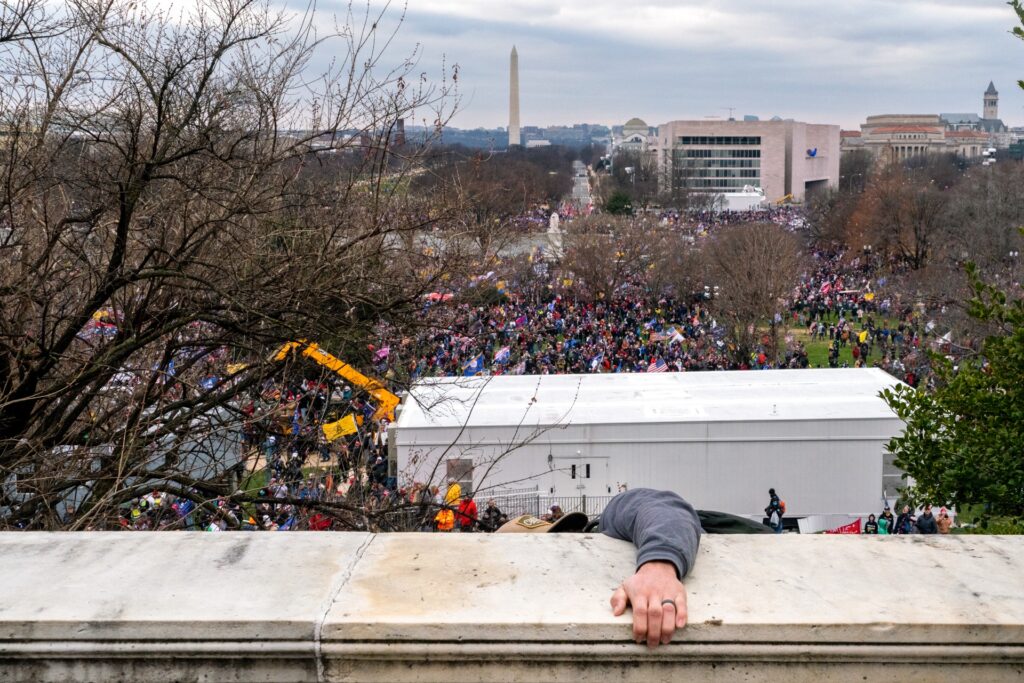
x: 965, y: 117
x: 906, y: 129
x: 974, y: 134
x: 540, y: 400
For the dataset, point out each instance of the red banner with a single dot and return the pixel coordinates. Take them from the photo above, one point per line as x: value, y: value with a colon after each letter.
x: 851, y: 528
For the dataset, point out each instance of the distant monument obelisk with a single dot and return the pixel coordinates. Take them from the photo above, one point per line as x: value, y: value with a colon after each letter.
x: 513, y: 98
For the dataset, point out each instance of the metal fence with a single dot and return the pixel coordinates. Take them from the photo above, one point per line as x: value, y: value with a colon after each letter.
x: 538, y: 504
x: 588, y: 505
x: 513, y: 504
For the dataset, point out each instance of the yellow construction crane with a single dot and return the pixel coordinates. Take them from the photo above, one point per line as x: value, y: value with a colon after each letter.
x: 386, y: 401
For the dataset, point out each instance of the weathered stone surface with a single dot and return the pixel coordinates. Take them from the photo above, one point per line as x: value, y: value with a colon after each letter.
x: 170, y: 586
x: 470, y: 587
x: 827, y: 589
x: 424, y: 607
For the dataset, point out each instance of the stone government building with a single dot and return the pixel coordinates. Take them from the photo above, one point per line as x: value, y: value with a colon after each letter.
x: 896, y: 137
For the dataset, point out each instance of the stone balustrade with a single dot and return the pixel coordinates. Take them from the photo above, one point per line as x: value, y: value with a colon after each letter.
x: 306, y: 606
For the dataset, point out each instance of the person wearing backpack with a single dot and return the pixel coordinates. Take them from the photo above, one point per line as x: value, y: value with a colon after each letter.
x: 776, y: 508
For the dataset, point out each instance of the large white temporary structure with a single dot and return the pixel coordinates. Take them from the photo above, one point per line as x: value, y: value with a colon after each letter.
x: 720, y: 439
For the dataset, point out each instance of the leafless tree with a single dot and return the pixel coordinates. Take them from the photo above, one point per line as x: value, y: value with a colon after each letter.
x: 182, y: 192
x: 829, y: 216
x: 754, y: 267
x: 636, y: 174
x: 495, y: 190
x: 604, y: 252
x: 675, y: 268
x: 985, y: 214
x: 907, y: 216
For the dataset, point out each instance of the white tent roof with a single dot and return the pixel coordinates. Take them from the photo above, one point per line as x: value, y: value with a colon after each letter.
x: 532, y: 400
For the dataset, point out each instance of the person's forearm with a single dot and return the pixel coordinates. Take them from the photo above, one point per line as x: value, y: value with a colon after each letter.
x: 661, y: 525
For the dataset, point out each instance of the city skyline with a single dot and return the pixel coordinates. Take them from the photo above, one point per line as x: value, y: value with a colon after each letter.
x: 602, y: 62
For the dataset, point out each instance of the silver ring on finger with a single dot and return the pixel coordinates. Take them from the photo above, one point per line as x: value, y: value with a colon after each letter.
x: 669, y: 601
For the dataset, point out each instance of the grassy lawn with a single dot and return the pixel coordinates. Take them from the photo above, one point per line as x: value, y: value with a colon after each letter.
x: 817, y: 351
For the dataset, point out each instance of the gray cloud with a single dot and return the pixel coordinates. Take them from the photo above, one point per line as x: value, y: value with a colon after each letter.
x: 607, y: 60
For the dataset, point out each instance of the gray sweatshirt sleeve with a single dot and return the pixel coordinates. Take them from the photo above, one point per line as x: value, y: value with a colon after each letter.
x: 660, y: 524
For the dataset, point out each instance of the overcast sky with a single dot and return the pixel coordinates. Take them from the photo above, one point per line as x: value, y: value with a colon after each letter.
x: 823, y: 61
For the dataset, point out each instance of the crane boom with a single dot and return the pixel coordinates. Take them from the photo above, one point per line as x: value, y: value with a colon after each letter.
x: 386, y: 401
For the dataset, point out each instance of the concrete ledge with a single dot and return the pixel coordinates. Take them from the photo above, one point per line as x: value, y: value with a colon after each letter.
x: 359, y: 607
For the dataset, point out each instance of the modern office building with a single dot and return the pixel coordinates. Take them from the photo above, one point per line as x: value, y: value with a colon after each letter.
x: 782, y: 157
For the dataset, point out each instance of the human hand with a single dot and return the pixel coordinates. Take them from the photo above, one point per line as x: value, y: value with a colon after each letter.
x: 646, y: 590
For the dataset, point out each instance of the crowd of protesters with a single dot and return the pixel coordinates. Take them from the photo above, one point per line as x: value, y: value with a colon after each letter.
x: 837, y: 299
x: 907, y: 523
x: 699, y: 222
x: 840, y: 299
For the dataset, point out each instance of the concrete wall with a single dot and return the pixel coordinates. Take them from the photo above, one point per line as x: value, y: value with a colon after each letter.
x: 824, y: 166
x: 307, y: 606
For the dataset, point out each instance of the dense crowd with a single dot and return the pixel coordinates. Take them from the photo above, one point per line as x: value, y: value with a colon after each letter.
x: 839, y: 300
x: 789, y: 217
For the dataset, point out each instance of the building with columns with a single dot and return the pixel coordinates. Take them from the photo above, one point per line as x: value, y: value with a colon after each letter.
x: 896, y: 137
x: 635, y: 137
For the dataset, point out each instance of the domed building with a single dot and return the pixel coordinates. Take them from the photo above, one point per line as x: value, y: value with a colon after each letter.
x: 635, y: 137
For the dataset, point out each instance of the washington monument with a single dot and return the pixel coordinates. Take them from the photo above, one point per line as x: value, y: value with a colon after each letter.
x: 513, y: 98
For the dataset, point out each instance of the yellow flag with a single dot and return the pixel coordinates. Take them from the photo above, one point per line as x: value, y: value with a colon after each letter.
x: 863, y: 336
x: 233, y: 368
x: 870, y: 296
x: 343, y: 427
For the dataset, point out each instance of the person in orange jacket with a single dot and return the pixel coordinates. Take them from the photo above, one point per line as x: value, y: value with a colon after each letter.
x: 445, y: 518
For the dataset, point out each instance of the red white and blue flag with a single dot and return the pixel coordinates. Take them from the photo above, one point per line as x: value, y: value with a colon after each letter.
x: 658, y: 365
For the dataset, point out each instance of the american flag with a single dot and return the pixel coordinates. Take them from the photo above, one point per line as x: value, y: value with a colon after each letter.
x: 658, y: 365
